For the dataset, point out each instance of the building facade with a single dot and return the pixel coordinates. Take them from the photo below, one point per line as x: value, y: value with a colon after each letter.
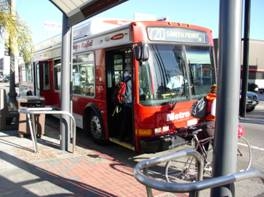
x: 255, y: 61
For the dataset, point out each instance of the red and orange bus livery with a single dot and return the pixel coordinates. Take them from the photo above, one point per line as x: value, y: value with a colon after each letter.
x: 172, y: 64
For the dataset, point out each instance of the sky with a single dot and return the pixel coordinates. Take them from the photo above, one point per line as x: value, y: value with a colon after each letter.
x: 44, y: 19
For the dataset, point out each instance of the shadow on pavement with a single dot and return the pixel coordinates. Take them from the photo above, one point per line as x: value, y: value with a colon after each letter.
x: 108, y: 151
x: 48, y: 181
x: 2, y: 141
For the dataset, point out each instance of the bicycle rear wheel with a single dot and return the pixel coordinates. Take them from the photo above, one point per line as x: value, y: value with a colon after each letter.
x: 244, y: 157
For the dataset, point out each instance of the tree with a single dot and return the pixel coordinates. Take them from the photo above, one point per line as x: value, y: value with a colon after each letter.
x: 7, y: 21
x: 19, y: 40
x: 24, y: 42
x: 17, y: 29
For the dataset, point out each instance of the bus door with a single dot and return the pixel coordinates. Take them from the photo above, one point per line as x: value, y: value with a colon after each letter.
x: 119, y: 68
x: 45, y: 82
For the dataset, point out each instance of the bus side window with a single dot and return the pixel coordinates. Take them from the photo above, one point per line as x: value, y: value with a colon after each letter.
x: 87, y: 80
x: 57, y: 74
x: 76, y: 79
x: 83, y: 74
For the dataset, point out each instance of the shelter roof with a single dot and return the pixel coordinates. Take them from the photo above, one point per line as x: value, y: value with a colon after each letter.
x: 79, y: 10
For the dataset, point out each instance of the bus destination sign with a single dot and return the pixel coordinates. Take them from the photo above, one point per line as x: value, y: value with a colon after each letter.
x: 176, y: 34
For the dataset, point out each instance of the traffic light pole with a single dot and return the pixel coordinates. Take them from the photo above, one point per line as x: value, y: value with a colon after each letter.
x: 244, y: 74
x: 227, y: 93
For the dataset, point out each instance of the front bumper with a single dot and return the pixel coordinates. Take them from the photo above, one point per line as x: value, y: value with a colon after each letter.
x: 161, y: 143
x: 251, y: 104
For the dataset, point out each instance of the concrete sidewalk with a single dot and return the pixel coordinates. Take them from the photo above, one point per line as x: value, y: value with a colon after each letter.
x: 52, y: 172
x: 93, y: 170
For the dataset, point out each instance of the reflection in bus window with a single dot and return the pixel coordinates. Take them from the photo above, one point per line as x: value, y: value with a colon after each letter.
x: 57, y: 74
x: 37, y: 80
x: 175, y: 81
x: 201, y: 71
x: 145, y: 80
x: 118, y: 68
x: 46, y: 79
x: 162, y: 77
x: 83, y: 74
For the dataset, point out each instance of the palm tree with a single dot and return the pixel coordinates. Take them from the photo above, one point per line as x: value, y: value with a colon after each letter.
x: 19, y: 40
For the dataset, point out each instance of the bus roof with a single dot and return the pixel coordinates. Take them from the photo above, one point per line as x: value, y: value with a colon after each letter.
x: 94, y: 27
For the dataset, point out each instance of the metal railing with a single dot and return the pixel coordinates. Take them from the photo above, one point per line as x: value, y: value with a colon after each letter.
x: 30, y: 112
x: 192, y: 188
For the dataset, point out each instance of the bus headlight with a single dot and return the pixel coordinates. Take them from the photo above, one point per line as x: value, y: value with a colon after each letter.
x: 144, y: 132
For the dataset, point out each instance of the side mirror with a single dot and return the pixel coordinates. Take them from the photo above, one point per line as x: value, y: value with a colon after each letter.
x: 141, y: 52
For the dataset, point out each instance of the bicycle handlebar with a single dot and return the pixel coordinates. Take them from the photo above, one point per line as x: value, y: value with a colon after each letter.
x: 195, y: 129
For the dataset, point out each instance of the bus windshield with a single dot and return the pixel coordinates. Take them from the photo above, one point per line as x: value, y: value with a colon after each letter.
x: 175, y: 73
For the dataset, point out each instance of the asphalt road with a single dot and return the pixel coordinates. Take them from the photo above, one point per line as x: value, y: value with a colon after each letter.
x: 254, y: 125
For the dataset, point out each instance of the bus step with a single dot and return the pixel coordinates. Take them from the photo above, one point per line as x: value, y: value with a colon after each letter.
x: 122, y: 143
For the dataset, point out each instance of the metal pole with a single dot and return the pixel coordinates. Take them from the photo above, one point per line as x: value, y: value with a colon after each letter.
x: 244, y: 75
x: 227, y: 93
x: 65, y: 80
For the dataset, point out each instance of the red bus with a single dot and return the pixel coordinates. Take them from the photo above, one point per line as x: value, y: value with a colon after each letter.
x: 172, y: 65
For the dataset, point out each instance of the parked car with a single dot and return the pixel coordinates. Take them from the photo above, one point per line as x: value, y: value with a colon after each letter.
x: 6, y: 78
x: 252, y: 101
x: 253, y: 87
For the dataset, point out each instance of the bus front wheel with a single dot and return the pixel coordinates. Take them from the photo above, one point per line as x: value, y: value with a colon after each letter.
x: 95, y: 127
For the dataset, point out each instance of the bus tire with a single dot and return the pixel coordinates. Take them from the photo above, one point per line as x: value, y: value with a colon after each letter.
x: 95, y: 127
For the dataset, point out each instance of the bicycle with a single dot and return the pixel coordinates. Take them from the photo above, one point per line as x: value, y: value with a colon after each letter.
x: 185, y: 170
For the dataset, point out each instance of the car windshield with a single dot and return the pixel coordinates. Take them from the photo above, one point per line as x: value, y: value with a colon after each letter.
x: 174, y: 73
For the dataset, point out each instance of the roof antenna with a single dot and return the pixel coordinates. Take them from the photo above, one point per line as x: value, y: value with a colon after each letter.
x: 162, y: 19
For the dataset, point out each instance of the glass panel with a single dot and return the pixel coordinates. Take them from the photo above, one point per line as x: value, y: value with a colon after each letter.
x: 201, y: 69
x: 37, y: 83
x: 25, y: 73
x: 46, y: 76
x: 118, y: 68
x: 57, y: 74
x: 76, y: 79
x: 162, y: 78
x: 83, y: 74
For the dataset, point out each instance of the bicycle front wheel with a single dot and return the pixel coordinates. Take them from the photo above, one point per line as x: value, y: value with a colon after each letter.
x: 244, y: 154
x: 181, y: 170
